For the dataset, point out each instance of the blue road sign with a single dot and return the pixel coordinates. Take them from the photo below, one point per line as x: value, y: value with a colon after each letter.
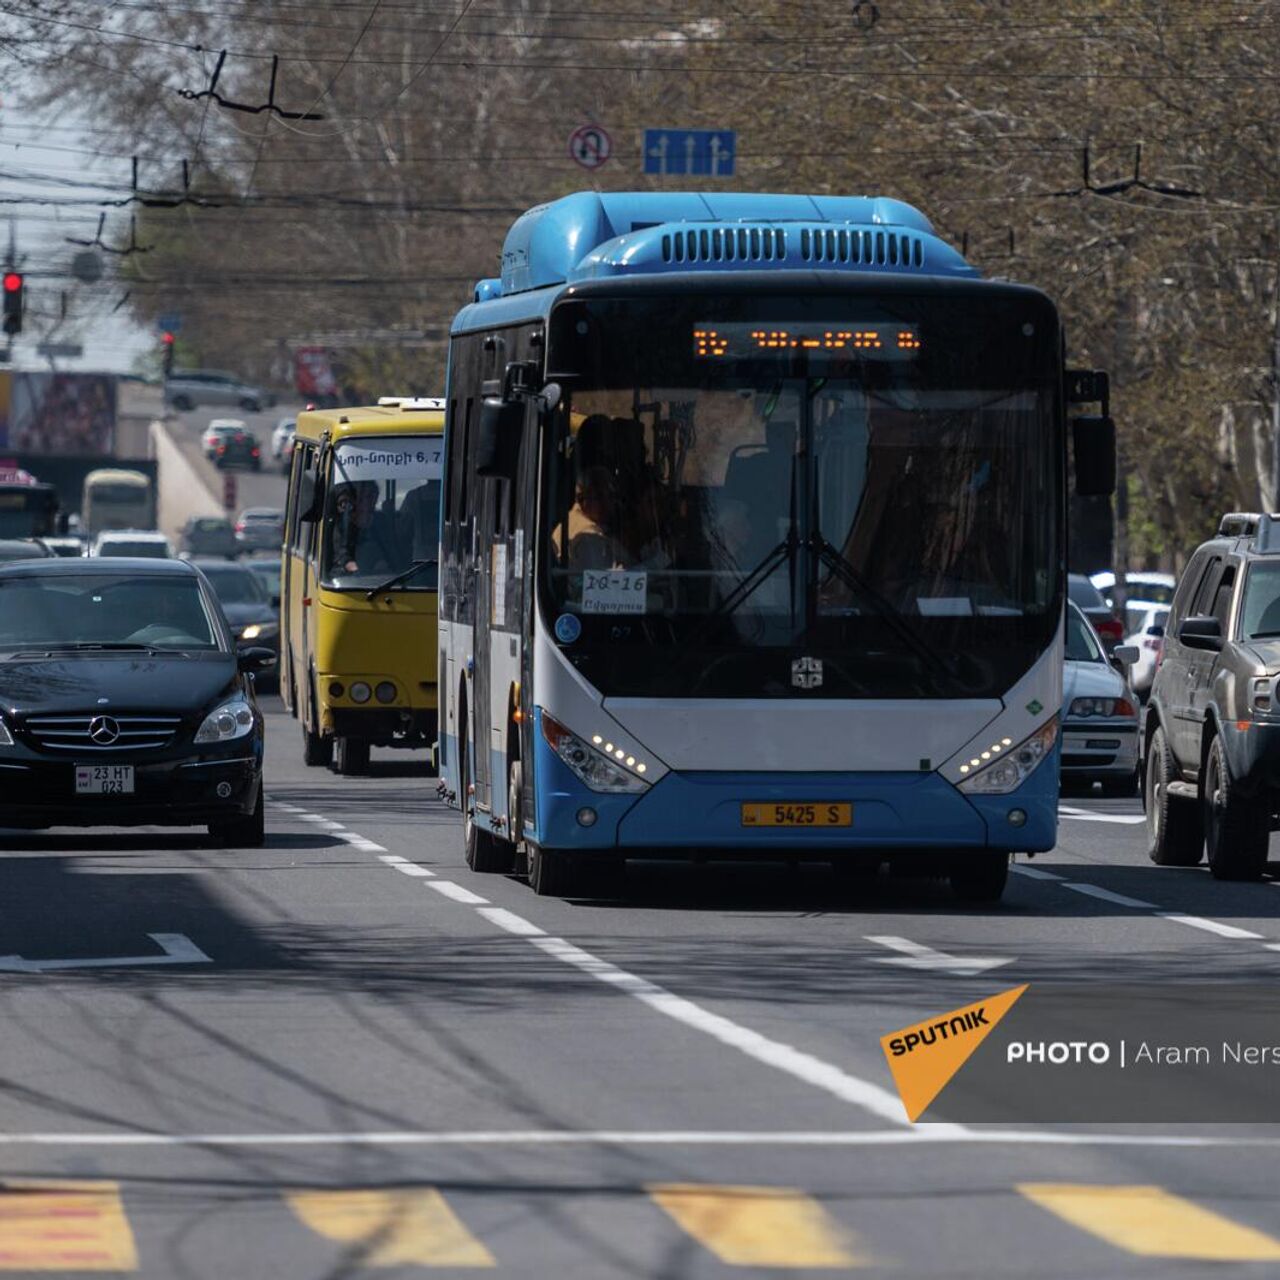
x: 706, y: 152
x: 169, y: 322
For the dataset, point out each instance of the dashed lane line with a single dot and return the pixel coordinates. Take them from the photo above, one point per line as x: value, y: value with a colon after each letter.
x: 1108, y: 895
x: 447, y: 889
x: 404, y: 866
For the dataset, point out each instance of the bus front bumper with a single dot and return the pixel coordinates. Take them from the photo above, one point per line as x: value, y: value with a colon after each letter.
x: 704, y: 812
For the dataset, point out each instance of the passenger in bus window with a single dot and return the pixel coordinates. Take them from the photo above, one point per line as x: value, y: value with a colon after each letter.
x: 592, y: 522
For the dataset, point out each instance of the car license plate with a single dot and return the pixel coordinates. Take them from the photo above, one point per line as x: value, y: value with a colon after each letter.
x: 784, y: 814
x: 104, y: 779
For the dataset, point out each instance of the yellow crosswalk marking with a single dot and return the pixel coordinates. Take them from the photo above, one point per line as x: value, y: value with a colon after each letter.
x: 397, y: 1226
x: 758, y: 1226
x: 1152, y: 1222
x: 64, y: 1226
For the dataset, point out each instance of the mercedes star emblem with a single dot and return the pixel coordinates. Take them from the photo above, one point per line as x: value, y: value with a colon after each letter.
x: 103, y: 730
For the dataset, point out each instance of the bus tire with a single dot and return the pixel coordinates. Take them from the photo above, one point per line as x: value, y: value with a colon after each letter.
x: 1175, y: 827
x: 1237, y: 828
x: 980, y: 877
x: 317, y: 750
x: 484, y: 852
x: 351, y: 756
x: 552, y: 872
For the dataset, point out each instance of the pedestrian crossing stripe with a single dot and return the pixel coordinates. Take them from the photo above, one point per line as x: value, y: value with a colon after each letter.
x: 758, y: 1226
x: 397, y: 1226
x: 64, y: 1226
x: 1152, y: 1222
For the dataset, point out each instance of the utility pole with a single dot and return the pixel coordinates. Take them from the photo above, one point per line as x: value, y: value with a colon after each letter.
x: 1275, y: 379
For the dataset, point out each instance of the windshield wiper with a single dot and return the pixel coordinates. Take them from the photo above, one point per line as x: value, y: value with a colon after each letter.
x: 399, y: 578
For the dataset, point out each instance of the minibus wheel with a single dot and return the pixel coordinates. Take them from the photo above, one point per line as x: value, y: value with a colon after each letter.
x: 351, y: 756
x: 317, y: 750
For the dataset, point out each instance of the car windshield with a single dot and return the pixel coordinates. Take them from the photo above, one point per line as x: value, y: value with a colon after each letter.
x: 233, y: 585
x: 717, y: 510
x: 1082, y: 645
x: 1082, y: 592
x: 1260, y: 618
x: 128, y: 547
x: 382, y: 512
x: 73, y: 609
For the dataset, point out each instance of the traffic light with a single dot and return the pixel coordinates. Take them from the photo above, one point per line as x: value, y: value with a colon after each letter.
x: 168, y: 340
x: 12, y: 302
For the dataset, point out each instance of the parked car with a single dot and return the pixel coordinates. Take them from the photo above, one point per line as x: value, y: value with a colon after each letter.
x: 126, y: 701
x: 24, y: 549
x: 217, y: 430
x: 146, y: 543
x: 1082, y: 592
x: 1144, y: 584
x: 1146, y: 634
x: 1099, y: 713
x: 238, y: 449
x: 1212, y: 741
x: 186, y: 388
x: 252, y: 612
x: 260, y: 529
x: 282, y: 441
x: 208, y: 536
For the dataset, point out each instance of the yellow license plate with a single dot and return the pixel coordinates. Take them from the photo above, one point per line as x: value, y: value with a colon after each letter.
x: 784, y: 814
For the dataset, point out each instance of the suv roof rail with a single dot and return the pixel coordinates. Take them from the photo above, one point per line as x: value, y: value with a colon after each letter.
x: 1239, y: 524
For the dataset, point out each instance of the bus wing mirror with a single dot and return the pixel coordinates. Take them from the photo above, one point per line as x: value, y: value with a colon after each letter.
x: 1094, y: 445
x: 498, y: 437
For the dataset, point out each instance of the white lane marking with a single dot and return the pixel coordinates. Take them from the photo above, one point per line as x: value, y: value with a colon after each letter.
x: 1210, y: 926
x: 455, y: 891
x: 1087, y: 815
x: 395, y: 861
x: 327, y: 823
x: 1097, y: 891
x: 360, y: 842
x: 511, y: 922
x: 177, y: 949
x: 1034, y: 873
x: 286, y: 808
x: 921, y: 1135
x: 917, y: 956
x: 391, y: 859
x: 773, y: 1053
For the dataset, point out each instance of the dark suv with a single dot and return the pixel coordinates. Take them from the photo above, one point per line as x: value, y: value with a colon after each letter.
x: 1212, y: 737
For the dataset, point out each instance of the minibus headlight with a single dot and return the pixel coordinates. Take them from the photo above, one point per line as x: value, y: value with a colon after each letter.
x: 1011, y: 768
x: 360, y: 692
x: 231, y: 720
x: 591, y: 766
x: 385, y: 691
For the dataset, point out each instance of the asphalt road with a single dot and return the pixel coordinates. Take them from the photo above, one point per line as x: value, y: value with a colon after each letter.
x: 387, y: 1064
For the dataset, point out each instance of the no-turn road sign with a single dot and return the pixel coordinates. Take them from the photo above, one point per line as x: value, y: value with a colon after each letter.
x: 590, y: 146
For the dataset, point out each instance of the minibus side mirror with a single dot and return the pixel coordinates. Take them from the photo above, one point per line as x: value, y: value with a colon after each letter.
x: 498, y: 437
x: 1093, y: 442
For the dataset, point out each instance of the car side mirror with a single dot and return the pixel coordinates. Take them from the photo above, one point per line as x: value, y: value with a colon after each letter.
x: 1124, y: 656
x: 1093, y: 441
x: 498, y: 437
x: 1156, y: 629
x: 1203, y: 631
x: 255, y: 658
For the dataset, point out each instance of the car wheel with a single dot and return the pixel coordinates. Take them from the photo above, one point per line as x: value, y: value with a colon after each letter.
x: 246, y: 833
x: 250, y: 405
x: 351, y: 757
x: 183, y: 404
x: 1237, y: 828
x: 484, y: 852
x: 980, y: 877
x: 552, y: 873
x: 1175, y: 831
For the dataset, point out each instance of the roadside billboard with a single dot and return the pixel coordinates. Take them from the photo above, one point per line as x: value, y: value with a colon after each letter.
x: 62, y: 414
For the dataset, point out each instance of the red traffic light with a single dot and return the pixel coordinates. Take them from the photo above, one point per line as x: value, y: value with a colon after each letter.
x: 167, y: 339
x: 12, y: 281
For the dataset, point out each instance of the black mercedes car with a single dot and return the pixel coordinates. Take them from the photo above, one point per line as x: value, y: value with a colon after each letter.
x: 124, y: 700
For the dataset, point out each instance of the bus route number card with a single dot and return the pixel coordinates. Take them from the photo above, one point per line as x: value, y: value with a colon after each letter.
x: 614, y: 591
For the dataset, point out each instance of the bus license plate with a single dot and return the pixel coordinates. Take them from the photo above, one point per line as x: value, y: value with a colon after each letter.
x: 820, y: 814
x: 104, y: 779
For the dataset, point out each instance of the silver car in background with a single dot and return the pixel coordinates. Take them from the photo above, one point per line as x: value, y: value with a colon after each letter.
x: 1099, y: 713
x: 186, y: 388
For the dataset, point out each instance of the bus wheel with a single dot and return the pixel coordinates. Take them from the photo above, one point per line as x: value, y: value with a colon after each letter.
x: 351, y: 756
x: 485, y: 853
x: 552, y: 873
x: 317, y: 750
x: 980, y: 877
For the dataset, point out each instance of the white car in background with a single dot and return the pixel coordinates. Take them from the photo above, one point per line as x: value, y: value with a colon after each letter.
x: 1145, y: 622
x: 282, y: 438
x: 1145, y: 584
x: 132, y: 542
x: 216, y: 430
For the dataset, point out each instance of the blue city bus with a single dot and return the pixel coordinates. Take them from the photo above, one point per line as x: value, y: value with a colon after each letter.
x: 753, y: 542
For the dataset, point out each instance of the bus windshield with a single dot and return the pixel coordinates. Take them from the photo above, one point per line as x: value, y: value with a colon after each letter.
x: 885, y: 511
x: 382, y: 512
x: 27, y: 511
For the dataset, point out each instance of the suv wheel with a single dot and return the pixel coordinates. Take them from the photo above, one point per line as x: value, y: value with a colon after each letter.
x: 1175, y: 834
x: 1237, y: 828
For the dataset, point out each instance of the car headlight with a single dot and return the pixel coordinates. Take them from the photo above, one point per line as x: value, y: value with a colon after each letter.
x: 260, y: 631
x: 233, y: 719
x: 1009, y: 767
x: 6, y: 738
x: 591, y: 766
x: 1085, y: 707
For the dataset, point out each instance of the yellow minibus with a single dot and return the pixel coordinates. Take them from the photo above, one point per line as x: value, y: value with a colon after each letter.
x: 359, y: 580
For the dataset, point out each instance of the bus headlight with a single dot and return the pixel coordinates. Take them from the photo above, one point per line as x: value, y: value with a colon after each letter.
x: 1011, y: 768
x: 591, y: 766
